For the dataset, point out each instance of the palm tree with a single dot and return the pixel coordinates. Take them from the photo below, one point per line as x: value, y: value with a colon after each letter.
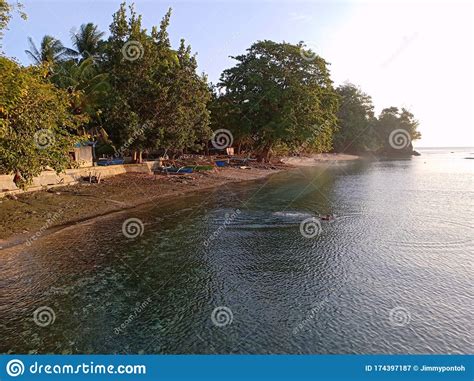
x: 51, y: 51
x: 85, y: 81
x: 87, y: 40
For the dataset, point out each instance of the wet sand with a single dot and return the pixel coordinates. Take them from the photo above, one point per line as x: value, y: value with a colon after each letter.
x: 33, y: 215
x: 309, y: 161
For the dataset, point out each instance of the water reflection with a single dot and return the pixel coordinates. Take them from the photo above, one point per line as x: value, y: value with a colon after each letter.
x: 388, y: 249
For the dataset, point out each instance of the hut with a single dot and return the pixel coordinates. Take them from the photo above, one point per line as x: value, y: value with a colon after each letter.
x: 82, y: 154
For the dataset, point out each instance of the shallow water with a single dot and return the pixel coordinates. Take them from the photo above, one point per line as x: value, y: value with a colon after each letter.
x: 392, y: 274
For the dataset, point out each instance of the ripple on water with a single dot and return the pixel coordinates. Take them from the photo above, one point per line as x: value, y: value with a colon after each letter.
x: 332, y: 293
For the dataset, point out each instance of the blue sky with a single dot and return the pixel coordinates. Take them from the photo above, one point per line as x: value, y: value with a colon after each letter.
x: 215, y: 29
x: 417, y: 54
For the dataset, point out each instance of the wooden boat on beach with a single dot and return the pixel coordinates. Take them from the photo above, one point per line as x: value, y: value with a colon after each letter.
x: 173, y: 170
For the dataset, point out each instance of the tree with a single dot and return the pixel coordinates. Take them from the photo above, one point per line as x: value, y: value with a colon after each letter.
x: 88, y: 41
x: 158, y: 101
x: 88, y: 87
x: 132, y: 58
x: 50, y: 52
x: 355, y: 132
x: 280, y: 97
x: 187, y: 123
x: 37, y: 128
x: 226, y: 115
x: 396, y: 130
x: 6, y: 11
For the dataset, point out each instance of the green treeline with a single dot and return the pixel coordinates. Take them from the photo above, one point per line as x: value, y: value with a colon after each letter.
x: 132, y: 92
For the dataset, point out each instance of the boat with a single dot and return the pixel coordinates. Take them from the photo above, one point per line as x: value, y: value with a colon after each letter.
x: 105, y: 162
x: 198, y: 168
x: 221, y: 163
x: 174, y: 170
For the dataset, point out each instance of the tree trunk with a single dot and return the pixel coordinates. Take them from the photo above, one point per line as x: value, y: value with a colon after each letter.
x: 264, y: 154
x: 140, y: 156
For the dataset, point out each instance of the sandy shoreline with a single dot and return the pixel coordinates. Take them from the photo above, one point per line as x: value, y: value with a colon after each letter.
x: 322, y: 158
x: 35, y: 215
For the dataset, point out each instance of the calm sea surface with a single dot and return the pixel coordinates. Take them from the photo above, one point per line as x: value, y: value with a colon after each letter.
x: 392, y: 274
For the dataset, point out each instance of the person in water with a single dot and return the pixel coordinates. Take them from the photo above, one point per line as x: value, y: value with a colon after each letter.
x: 327, y: 217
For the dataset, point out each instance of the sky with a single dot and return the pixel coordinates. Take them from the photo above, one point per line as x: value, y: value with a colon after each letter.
x: 416, y: 54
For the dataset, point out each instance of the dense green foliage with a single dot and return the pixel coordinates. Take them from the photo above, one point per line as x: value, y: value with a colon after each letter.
x: 396, y: 129
x: 133, y: 92
x: 89, y: 88
x: 155, y: 88
x: 359, y: 131
x: 132, y: 87
x: 275, y: 97
x: 50, y: 52
x: 355, y: 133
x: 37, y: 128
x: 88, y: 41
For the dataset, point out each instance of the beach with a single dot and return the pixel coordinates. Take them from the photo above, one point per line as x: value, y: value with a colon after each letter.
x: 308, y: 161
x: 40, y: 213
x: 34, y: 215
